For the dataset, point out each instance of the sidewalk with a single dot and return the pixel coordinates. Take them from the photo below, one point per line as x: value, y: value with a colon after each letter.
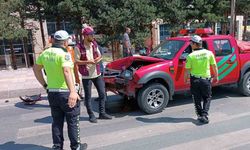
x: 20, y: 82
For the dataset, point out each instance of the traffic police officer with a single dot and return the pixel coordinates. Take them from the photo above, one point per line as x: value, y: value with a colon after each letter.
x: 62, y: 96
x: 198, y: 67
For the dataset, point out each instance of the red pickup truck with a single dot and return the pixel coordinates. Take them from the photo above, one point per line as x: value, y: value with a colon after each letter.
x: 152, y: 80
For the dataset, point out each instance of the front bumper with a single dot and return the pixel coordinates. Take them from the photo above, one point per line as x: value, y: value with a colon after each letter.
x: 121, y: 86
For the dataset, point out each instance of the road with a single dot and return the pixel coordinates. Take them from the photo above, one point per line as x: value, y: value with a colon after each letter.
x: 25, y: 127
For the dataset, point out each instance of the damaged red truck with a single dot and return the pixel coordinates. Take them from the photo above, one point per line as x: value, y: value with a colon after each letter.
x: 153, y: 80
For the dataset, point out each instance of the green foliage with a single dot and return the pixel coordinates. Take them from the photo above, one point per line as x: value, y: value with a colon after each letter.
x: 10, y: 21
x: 208, y: 10
x: 173, y: 12
x: 242, y: 7
x: 109, y: 17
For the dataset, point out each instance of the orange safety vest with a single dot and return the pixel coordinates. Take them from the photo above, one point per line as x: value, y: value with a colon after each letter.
x: 70, y: 49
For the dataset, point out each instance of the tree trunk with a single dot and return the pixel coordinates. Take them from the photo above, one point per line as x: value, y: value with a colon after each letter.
x: 41, y: 26
x: 112, y: 44
x: 25, y: 45
x: 245, y: 27
x: 224, y: 25
x: 13, y: 56
x: 58, y: 23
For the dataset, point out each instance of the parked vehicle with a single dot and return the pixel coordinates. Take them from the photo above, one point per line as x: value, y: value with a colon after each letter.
x: 153, y: 80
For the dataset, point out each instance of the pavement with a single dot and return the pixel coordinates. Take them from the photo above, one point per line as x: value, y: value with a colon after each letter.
x: 28, y: 127
x: 20, y: 82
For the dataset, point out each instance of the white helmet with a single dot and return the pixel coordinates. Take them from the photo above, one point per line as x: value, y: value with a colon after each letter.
x: 61, y: 35
x: 196, y: 39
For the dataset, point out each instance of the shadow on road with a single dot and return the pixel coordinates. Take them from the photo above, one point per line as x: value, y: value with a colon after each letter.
x: 30, y: 107
x: 168, y: 120
x: 49, y: 119
x: 14, y: 146
x: 131, y: 108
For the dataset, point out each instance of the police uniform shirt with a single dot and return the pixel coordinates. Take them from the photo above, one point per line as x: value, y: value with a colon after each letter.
x: 199, y: 62
x: 54, y: 59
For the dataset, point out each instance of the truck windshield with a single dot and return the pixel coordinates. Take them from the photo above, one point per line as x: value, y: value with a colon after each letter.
x: 167, y: 49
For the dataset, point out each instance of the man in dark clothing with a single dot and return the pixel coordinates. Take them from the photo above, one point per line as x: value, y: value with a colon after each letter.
x: 127, y: 51
x: 198, y: 68
x: 62, y: 95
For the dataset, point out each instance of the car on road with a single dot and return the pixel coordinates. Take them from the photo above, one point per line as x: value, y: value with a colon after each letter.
x: 153, y: 80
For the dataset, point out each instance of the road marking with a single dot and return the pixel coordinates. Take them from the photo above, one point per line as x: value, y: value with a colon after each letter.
x: 219, y: 142
x: 146, y: 131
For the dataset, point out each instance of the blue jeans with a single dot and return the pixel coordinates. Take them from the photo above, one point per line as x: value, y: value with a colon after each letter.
x: 59, y: 110
x: 100, y: 86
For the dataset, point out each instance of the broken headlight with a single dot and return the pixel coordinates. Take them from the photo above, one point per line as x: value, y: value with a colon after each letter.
x: 127, y: 74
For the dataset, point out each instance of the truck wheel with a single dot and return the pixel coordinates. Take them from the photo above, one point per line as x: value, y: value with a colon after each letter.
x: 244, y: 85
x: 153, y: 98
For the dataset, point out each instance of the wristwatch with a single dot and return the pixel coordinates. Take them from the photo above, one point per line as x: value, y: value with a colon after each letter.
x: 45, y: 85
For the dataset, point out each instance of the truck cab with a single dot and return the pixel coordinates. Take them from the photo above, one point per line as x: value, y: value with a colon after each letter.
x: 153, y: 80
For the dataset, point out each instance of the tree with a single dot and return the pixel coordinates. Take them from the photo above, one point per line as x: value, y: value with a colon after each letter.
x: 10, y: 25
x: 110, y: 17
x: 208, y: 11
x: 242, y: 8
x: 173, y: 13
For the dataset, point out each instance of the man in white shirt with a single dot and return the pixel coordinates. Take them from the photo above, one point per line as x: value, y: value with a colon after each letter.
x: 87, y: 58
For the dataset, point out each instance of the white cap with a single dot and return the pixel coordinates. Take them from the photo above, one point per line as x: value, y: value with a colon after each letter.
x: 71, y: 42
x: 196, y: 39
x: 61, y: 35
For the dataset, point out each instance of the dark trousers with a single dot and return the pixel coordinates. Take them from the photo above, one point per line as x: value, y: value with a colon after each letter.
x: 126, y: 52
x: 201, y: 90
x: 59, y: 110
x: 100, y: 86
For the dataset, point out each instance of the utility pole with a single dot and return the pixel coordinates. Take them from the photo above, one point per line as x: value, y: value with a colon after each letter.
x: 232, y: 21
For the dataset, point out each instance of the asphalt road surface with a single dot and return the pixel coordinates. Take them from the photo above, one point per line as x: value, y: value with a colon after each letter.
x: 25, y: 127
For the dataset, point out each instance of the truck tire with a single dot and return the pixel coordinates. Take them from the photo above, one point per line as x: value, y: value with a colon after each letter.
x: 244, y: 85
x: 153, y: 98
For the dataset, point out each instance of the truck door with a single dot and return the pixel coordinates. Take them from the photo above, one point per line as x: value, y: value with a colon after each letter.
x: 226, y: 61
x: 180, y: 69
x: 179, y: 78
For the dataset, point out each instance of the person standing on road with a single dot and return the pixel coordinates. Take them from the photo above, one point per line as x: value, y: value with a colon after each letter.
x: 127, y: 51
x: 62, y: 95
x: 198, y: 68
x: 87, y: 58
x: 71, y: 49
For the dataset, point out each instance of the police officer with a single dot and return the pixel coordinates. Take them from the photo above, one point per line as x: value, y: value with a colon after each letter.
x: 198, y: 68
x: 62, y: 96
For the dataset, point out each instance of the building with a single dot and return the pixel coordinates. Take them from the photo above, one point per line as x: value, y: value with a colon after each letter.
x: 35, y: 44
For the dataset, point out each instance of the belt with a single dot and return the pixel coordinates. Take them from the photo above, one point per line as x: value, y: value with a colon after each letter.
x: 58, y: 90
x: 198, y: 77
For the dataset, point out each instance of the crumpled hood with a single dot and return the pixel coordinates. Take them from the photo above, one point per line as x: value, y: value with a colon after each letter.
x: 124, y: 63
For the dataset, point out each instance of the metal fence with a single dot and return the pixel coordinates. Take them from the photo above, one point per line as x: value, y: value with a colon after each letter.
x: 21, y: 60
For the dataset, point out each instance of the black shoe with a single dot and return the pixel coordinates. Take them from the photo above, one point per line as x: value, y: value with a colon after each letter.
x: 104, y: 116
x: 203, y: 119
x: 92, y: 118
x: 199, y: 118
x: 82, y: 146
x: 57, y: 147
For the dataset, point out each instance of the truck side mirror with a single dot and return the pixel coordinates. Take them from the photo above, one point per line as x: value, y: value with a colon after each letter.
x: 183, y: 56
x: 143, y: 52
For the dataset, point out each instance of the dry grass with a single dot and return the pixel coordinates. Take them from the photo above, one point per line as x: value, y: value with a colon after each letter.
x: 107, y: 57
